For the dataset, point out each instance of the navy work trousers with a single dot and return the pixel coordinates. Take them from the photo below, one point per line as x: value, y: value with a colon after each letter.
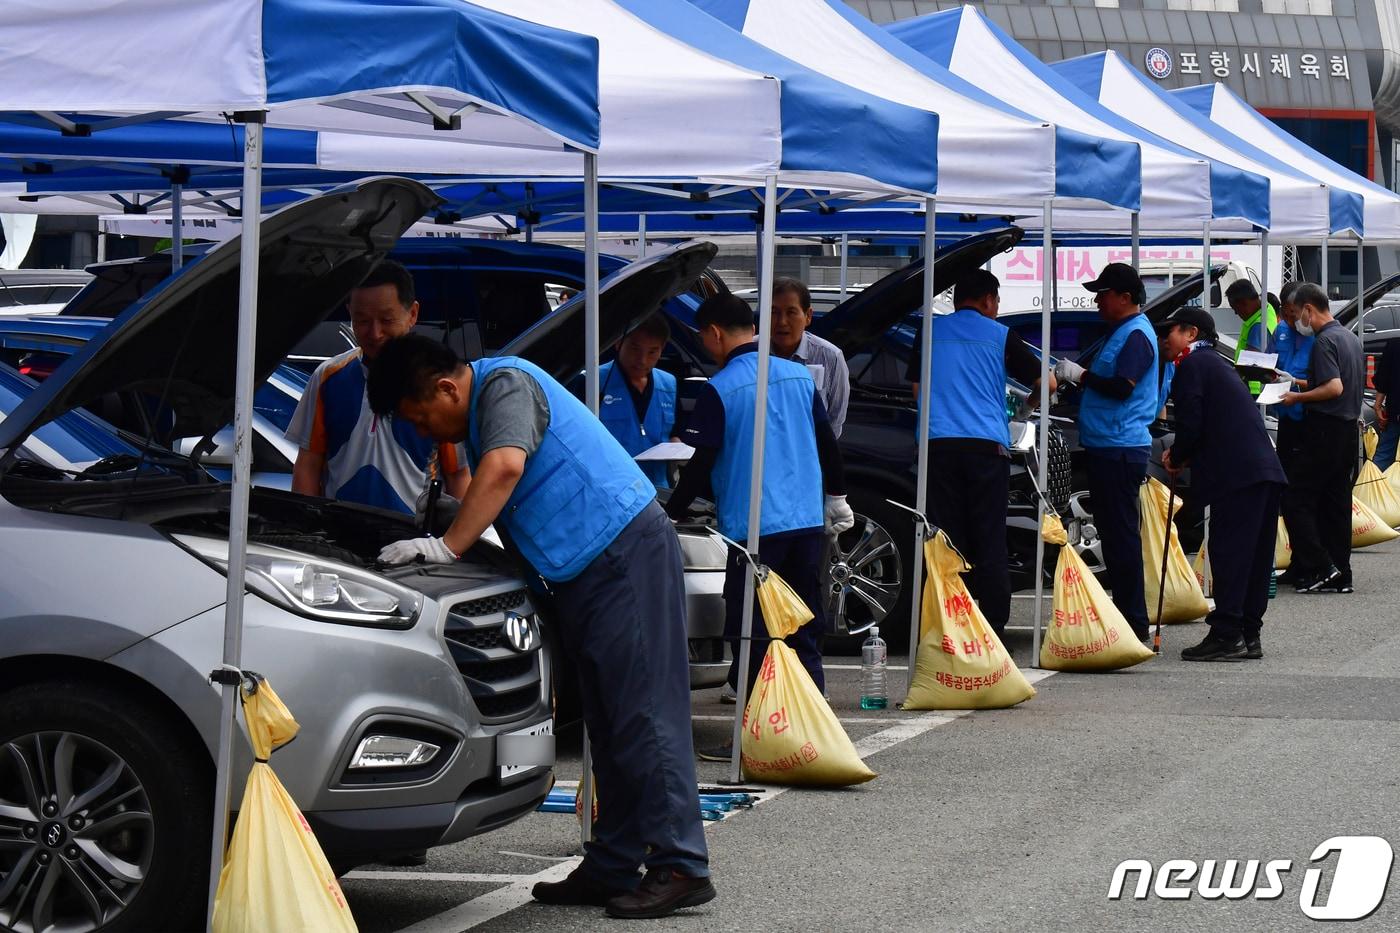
x: 797, y: 559
x: 967, y: 494
x: 1243, y: 526
x: 1320, y: 497
x: 622, y: 620
x: 1115, y: 482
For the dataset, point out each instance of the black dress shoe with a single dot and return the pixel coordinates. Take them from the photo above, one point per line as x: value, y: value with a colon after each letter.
x: 662, y: 892
x: 1325, y: 582
x: 1213, y: 648
x: 1252, y: 649
x: 577, y: 888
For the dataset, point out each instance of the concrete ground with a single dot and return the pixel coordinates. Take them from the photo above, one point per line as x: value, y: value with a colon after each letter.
x: 1015, y: 819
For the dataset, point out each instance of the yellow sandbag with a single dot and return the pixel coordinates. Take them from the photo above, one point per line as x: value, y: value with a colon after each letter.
x: 275, y: 876
x: 1086, y: 632
x: 1367, y: 528
x: 1392, y: 476
x: 1283, y: 548
x: 1200, y: 570
x: 1373, y: 490
x: 960, y: 663
x: 791, y: 736
x: 1184, y: 600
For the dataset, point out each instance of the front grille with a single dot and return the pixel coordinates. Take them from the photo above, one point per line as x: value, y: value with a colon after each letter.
x: 503, y: 682
x: 1058, y: 472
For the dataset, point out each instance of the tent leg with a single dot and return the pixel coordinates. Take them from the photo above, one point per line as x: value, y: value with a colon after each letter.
x: 1361, y: 292
x: 177, y: 227
x: 760, y: 426
x: 590, y: 355
x: 845, y: 258
x: 241, y: 492
x: 1264, y: 265
x: 916, y: 574
x: 1137, y: 238
x: 1322, y: 267
x: 1205, y: 267
x: 101, y: 247
x: 1042, y: 440
x: 641, y: 236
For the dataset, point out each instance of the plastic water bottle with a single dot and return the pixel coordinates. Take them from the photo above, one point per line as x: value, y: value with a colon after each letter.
x: 874, y: 686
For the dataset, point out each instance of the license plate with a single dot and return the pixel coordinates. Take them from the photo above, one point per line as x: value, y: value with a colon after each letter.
x: 525, y: 749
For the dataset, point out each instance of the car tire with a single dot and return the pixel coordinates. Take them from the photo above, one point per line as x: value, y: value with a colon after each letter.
x: 877, y: 522
x: 137, y: 816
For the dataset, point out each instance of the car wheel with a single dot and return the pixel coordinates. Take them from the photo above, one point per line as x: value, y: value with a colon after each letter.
x: 865, y: 570
x: 104, y: 814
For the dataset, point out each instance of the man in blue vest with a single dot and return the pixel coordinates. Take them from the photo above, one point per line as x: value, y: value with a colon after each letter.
x: 1220, y: 435
x: 566, y: 496
x: 969, y: 467
x: 1121, y: 398
x: 1294, y: 357
x: 801, y: 462
x: 637, y: 401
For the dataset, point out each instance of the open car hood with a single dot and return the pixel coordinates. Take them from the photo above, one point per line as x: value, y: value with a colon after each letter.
x: 636, y: 291
x: 861, y: 319
x: 1179, y: 294
x: 179, y: 341
x: 1346, y: 315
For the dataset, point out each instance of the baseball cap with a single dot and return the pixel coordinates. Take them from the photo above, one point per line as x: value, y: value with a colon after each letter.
x: 1189, y: 315
x: 1118, y: 277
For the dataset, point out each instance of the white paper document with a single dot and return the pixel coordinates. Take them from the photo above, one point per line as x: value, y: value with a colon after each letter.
x: 1274, y: 391
x: 668, y: 451
x: 1255, y: 358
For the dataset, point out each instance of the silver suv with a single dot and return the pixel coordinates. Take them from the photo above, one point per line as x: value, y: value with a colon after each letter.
x: 111, y: 615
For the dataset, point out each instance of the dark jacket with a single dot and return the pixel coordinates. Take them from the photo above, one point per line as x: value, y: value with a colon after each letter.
x: 1220, y: 431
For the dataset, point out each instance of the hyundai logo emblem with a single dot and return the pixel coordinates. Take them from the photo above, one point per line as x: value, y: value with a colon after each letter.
x: 53, y: 835
x: 520, y: 632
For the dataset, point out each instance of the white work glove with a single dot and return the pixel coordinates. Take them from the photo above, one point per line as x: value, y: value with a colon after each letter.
x: 1069, y: 371
x: 839, y: 516
x: 431, y: 550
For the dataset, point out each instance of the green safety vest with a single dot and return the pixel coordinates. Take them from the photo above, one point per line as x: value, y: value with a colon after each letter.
x: 1270, y: 324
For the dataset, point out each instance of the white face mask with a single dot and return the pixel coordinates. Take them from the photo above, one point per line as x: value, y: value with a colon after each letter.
x: 1304, y: 325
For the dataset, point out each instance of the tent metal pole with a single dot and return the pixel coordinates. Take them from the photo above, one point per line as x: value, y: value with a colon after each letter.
x: 590, y: 355
x: 1264, y: 266
x: 1042, y: 440
x: 1205, y: 267
x: 530, y: 232
x: 1137, y: 238
x: 1322, y: 266
x: 916, y: 575
x: 101, y: 247
x: 845, y: 257
x: 1361, y: 291
x: 241, y: 492
x: 641, y: 236
x: 760, y: 426
x: 177, y: 227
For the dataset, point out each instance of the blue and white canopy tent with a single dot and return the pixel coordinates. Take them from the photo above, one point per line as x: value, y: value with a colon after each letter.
x: 1181, y: 189
x: 1302, y: 208
x: 1381, y: 206
x: 445, y: 69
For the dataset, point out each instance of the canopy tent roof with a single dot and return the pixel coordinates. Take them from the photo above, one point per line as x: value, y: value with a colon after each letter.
x: 1180, y: 188
x: 707, y: 105
x: 441, y: 68
x: 1301, y: 208
x: 1225, y: 108
x: 989, y: 154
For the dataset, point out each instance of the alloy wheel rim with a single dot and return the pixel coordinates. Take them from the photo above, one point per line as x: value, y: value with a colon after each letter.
x: 864, y: 577
x: 76, y: 833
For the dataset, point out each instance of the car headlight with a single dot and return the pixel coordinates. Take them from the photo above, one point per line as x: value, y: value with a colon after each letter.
x: 703, y: 551
x: 315, y: 587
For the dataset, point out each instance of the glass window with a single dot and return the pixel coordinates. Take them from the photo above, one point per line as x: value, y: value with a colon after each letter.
x: 1342, y: 141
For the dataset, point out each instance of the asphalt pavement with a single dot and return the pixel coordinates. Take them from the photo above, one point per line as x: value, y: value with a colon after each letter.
x: 1016, y: 819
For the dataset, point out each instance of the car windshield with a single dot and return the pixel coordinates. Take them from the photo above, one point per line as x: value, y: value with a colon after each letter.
x: 72, y: 441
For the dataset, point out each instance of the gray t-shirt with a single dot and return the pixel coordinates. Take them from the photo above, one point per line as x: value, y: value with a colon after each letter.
x: 511, y: 411
x: 1336, y: 354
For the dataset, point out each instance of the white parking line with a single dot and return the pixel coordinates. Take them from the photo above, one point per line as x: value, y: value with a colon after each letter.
x: 516, y: 893
x: 434, y: 876
x: 852, y: 720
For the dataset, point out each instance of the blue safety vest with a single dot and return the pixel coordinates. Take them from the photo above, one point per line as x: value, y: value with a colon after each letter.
x: 1107, y: 422
x: 792, y: 475
x: 967, y: 392
x: 1168, y: 374
x: 1295, y: 358
x: 619, y: 416
x: 579, y: 489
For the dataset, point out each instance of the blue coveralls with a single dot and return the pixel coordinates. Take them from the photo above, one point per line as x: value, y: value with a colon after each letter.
x: 619, y: 415
x: 587, y: 520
